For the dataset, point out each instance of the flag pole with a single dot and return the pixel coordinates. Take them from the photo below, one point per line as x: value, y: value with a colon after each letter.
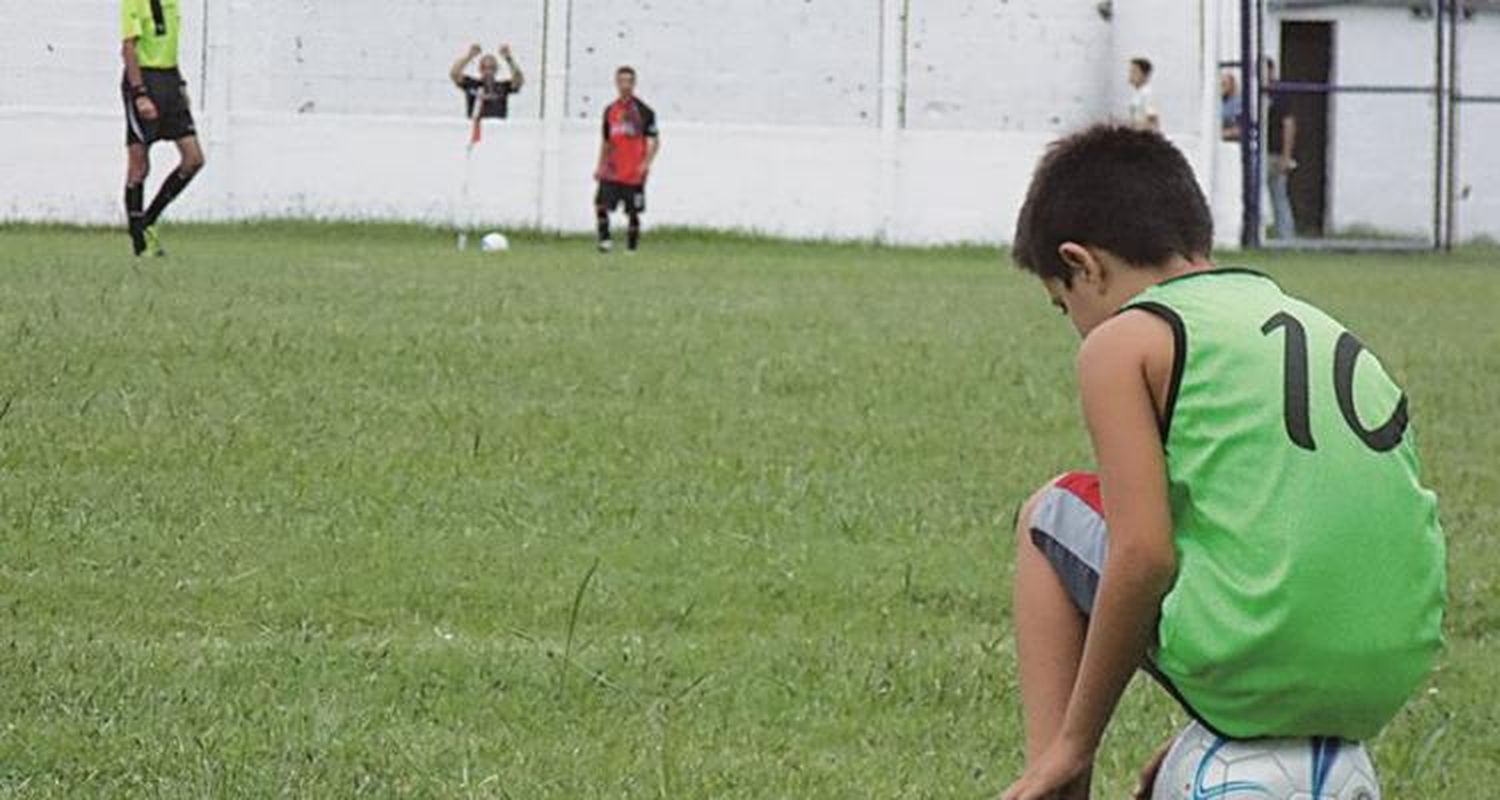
x: 463, y: 218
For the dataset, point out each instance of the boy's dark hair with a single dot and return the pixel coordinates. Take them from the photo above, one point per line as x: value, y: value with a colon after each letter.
x: 626, y: 70
x: 1142, y: 64
x: 1124, y: 190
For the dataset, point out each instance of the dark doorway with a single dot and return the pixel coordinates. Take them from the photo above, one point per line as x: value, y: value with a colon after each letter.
x: 1307, y: 57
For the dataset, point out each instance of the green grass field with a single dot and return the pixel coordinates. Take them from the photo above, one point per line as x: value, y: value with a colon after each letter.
x: 320, y: 510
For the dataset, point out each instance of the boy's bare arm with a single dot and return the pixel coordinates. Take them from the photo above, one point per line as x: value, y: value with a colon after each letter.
x: 653, y: 146
x: 603, y: 159
x: 517, y: 78
x: 1115, y: 369
x: 136, y: 81
x: 603, y: 148
x: 132, y: 64
x: 456, y: 72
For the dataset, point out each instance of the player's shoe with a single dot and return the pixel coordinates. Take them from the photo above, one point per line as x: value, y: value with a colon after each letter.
x: 606, y: 245
x: 153, y: 242
x: 137, y: 239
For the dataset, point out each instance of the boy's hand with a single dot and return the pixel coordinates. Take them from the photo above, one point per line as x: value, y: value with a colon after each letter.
x: 1056, y: 772
x: 1147, y: 780
x: 474, y: 51
x: 145, y: 108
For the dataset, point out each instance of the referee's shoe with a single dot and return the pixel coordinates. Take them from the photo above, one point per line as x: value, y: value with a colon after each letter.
x: 153, y: 241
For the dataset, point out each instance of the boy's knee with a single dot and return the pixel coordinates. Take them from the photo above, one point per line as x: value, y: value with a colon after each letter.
x: 191, y: 165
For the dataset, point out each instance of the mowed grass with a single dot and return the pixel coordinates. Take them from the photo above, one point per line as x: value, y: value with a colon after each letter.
x: 320, y: 510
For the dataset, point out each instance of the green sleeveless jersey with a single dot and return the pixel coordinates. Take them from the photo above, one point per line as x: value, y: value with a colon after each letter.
x: 1311, y: 573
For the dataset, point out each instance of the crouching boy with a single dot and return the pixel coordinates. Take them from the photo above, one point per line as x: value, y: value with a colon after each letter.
x: 1256, y: 536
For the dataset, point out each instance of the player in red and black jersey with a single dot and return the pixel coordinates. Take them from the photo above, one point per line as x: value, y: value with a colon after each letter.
x: 625, y: 155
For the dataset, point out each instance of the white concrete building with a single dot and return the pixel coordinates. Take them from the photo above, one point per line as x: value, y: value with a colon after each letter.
x: 906, y: 120
x: 1378, y: 157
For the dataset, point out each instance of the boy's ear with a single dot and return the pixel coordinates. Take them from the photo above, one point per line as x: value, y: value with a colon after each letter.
x: 1085, y: 266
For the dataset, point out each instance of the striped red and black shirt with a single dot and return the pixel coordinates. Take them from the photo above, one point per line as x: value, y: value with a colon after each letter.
x: 629, y: 125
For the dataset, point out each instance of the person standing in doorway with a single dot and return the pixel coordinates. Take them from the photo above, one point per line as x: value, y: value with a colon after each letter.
x: 156, y: 108
x: 1231, y: 107
x: 628, y: 148
x: 1281, y: 143
x: 1143, y: 116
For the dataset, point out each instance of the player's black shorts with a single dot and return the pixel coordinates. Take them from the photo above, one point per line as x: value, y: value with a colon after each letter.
x: 174, y: 114
x: 612, y: 195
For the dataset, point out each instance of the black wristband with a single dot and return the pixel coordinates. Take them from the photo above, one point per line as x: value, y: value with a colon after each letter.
x: 138, y: 91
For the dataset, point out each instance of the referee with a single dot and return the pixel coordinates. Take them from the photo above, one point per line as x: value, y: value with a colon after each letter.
x: 156, y: 108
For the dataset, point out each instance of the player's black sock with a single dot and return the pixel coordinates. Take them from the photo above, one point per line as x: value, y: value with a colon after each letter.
x: 135, y: 196
x: 170, y: 188
x: 602, y: 217
x: 633, y: 233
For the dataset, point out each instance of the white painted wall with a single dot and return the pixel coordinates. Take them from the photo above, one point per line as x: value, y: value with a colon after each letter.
x: 1477, y: 210
x: 1033, y: 67
x: 739, y: 62
x: 815, y: 118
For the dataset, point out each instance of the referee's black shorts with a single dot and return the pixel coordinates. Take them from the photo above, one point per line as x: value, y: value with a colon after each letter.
x: 612, y: 195
x: 174, y: 114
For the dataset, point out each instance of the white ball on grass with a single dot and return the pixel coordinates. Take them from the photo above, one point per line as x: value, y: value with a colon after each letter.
x: 1201, y: 765
x: 494, y: 243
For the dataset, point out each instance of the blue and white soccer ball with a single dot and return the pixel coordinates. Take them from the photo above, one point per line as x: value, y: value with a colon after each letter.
x: 494, y: 243
x: 1203, y: 766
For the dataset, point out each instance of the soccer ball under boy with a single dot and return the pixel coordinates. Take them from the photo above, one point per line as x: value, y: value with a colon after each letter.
x: 1203, y: 765
x: 494, y: 243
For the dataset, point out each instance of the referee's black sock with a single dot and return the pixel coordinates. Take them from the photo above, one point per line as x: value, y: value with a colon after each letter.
x: 633, y: 233
x: 170, y: 188
x: 135, y: 195
x: 602, y: 217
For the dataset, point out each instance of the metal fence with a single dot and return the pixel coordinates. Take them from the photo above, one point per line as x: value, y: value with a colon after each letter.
x: 1439, y: 96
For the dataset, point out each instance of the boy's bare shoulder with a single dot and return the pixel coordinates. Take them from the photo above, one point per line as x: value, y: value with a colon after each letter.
x: 1132, y: 347
x: 1133, y: 335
